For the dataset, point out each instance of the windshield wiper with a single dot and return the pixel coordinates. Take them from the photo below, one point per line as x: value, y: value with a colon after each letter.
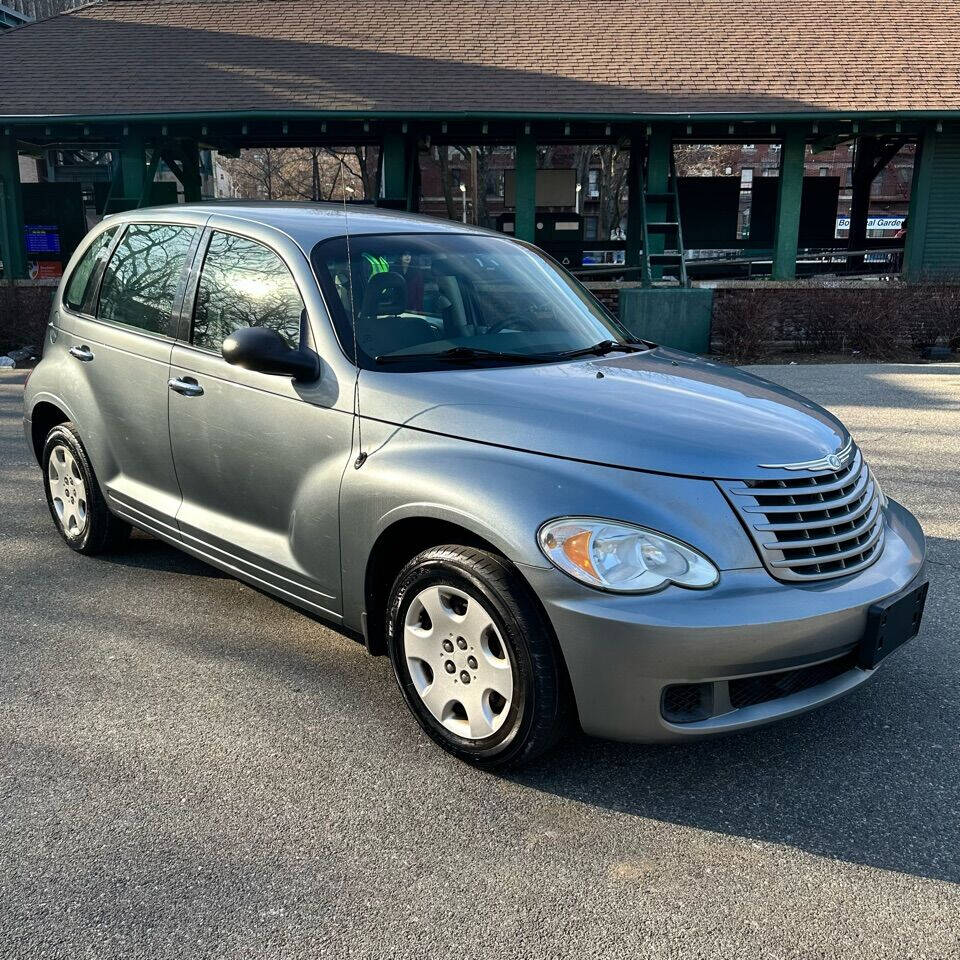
x: 455, y: 354
x: 605, y: 347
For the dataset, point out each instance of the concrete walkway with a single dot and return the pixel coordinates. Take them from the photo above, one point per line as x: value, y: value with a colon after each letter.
x: 190, y: 769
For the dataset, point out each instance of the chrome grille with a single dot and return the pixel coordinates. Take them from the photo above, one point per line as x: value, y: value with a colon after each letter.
x: 813, y: 527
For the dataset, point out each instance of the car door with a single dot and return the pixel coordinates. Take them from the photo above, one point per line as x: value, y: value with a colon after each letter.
x: 259, y: 458
x: 119, y: 340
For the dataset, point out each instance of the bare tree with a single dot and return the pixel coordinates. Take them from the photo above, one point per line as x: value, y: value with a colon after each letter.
x: 313, y: 173
x: 40, y: 9
x: 612, y: 163
x: 706, y: 159
x: 262, y: 173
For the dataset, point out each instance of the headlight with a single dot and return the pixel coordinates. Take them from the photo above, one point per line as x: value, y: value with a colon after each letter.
x: 622, y: 557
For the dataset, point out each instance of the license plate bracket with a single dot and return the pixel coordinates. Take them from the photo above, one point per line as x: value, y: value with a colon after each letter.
x: 890, y: 624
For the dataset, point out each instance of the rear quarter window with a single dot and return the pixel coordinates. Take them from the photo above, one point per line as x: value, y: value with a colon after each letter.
x: 75, y: 292
x: 141, y: 281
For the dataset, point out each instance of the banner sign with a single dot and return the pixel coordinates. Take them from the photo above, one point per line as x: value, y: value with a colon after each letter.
x: 874, y: 223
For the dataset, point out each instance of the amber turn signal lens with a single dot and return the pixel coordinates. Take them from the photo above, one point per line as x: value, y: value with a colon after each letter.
x: 577, y: 550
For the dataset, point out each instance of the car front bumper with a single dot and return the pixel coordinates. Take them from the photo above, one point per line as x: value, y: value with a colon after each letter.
x: 622, y: 652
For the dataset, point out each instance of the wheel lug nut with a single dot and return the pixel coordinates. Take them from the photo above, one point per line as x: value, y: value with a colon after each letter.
x: 461, y: 643
x: 449, y: 667
x: 464, y: 676
x: 448, y: 646
x: 472, y: 663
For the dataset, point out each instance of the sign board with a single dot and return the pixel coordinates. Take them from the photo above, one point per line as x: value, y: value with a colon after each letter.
x: 555, y: 188
x: 44, y: 269
x: 818, y: 211
x: 41, y: 237
x: 55, y: 219
x: 874, y: 223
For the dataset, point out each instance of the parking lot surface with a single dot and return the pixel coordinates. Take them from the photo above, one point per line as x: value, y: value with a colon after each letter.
x: 190, y: 769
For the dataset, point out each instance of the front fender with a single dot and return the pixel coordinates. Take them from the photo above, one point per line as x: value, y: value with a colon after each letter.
x: 504, y: 496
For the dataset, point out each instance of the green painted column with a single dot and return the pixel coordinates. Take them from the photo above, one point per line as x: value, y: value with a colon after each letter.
x: 394, y: 167
x: 790, y: 190
x: 149, y: 173
x: 12, y: 250
x: 525, y: 221
x: 634, y: 199
x: 865, y: 156
x: 919, y: 214
x: 192, y: 180
x: 659, y: 149
x: 133, y: 163
x: 414, y: 181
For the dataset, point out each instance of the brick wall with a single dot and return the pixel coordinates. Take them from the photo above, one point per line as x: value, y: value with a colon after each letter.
x: 787, y: 308
x: 609, y: 293
x: 24, y: 310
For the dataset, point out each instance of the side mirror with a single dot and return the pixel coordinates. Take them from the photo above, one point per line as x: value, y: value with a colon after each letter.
x: 264, y: 350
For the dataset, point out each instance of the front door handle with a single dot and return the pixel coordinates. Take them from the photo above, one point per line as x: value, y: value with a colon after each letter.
x: 186, y: 386
x: 83, y: 353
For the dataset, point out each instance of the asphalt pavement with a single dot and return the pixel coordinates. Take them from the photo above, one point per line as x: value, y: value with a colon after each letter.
x: 190, y: 769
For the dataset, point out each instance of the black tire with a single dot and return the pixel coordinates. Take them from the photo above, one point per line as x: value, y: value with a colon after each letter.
x: 102, y: 531
x: 540, y: 711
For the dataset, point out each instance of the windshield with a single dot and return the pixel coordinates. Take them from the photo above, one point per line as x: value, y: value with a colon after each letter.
x: 437, y: 298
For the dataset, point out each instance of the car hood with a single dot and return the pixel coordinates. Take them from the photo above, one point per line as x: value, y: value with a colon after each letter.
x: 661, y: 410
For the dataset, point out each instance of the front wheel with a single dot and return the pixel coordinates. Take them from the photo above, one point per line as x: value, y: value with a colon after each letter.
x: 475, y: 659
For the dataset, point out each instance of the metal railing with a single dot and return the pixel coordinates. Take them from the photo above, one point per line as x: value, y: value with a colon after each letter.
x: 38, y: 9
x: 882, y: 257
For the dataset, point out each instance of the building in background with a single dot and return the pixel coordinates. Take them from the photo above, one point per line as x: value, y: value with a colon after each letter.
x: 644, y: 139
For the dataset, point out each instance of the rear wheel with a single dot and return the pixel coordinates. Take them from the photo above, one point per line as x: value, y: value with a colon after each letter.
x: 73, y: 495
x: 475, y: 659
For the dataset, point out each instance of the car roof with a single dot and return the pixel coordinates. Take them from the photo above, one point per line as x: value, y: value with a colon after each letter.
x: 307, y: 223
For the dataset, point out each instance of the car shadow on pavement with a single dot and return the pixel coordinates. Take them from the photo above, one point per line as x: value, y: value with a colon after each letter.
x: 814, y: 784
x: 873, y: 779
x: 148, y: 553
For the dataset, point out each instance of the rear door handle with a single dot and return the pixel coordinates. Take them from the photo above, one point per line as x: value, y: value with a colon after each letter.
x: 186, y: 386
x: 83, y: 353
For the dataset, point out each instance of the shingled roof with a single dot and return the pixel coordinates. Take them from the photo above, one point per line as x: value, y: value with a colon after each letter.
x: 488, y: 57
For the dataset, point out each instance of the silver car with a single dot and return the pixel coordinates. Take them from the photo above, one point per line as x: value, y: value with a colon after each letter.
x: 435, y: 439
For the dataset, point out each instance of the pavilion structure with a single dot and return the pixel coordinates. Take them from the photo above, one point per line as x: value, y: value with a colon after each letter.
x: 153, y: 80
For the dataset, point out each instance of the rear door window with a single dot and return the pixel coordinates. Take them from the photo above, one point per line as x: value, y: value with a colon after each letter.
x: 244, y: 284
x: 142, y: 280
x: 75, y: 293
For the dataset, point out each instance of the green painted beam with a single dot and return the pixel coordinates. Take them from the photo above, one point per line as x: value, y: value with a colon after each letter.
x: 12, y: 249
x: 525, y: 222
x: 789, y: 193
x: 879, y: 116
x: 395, y: 152
x: 919, y: 213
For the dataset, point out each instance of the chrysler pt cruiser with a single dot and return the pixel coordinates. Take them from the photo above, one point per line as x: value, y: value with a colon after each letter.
x: 434, y: 438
